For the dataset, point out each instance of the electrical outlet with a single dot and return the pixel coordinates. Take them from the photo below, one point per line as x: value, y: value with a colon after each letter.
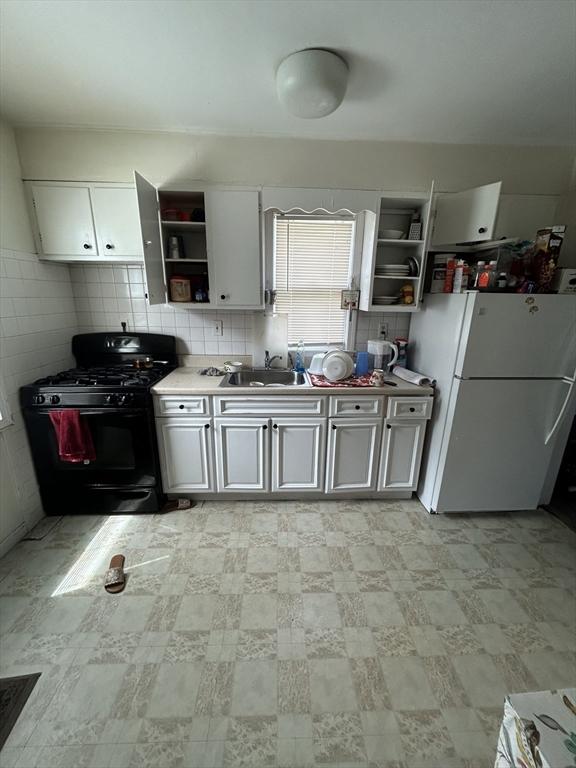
x: 383, y: 330
x: 218, y: 327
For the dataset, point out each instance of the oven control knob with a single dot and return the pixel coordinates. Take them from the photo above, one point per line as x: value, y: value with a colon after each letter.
x: 111, y: 399
x: 54, y: 399
x: 39, y: 399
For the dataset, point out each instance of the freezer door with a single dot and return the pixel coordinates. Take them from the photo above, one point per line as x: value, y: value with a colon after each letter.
x: 518, y: 336
x: 495, y: 453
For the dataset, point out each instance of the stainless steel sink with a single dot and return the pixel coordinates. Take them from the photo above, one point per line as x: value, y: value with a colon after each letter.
x: 254, y: 377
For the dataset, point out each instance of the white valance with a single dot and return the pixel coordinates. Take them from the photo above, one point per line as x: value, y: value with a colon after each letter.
x: 308, y: 200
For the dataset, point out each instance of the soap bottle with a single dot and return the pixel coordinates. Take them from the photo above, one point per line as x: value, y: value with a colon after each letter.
x: 299, y: 361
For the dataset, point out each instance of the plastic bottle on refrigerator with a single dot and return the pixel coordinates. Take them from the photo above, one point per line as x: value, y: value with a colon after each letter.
x: 485, y: 278
x: 478, y: 271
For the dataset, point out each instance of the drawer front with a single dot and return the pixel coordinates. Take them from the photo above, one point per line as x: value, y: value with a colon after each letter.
x: 172, y: 405
x: 409, y: 407
x: 355, y: 406
x: 269, y: 406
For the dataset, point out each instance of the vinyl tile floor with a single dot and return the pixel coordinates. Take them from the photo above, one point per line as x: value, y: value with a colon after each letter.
x: 284, y: 635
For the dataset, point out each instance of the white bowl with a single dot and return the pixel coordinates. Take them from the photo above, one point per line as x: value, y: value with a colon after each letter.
x: 337, y: 365
x: 316, y: 363
x: 392, y: 234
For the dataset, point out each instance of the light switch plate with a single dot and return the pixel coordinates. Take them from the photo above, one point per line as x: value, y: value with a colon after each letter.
x: 218, y: 327
x: 383, y: 330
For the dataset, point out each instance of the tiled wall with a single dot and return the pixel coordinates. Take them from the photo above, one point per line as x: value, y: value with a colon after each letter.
x: 107, y: 296
x: 37, y: 322
x: 369, y: 326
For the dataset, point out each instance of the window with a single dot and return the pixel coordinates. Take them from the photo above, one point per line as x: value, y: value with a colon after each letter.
x: 312, y: 264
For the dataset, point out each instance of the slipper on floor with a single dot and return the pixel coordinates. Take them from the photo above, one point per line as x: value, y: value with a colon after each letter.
x: 115, y: 580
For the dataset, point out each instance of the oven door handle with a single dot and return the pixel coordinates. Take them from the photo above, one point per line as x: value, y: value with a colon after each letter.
x: 129, y: 412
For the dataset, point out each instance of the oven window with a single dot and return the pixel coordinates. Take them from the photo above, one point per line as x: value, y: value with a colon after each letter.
x: 114, y: 445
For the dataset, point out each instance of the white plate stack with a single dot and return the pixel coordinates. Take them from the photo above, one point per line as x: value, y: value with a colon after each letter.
x: 392, y: 270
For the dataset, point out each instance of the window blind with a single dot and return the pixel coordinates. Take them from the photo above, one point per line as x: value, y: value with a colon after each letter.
x: 312, y: 257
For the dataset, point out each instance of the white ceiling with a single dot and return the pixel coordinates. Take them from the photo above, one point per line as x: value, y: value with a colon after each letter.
x: 486, y: 71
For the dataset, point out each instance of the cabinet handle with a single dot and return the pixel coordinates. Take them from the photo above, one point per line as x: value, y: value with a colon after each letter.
x: 275, y: 426
x: 206, y: 426
x: 357, y: 407
x: 388, y: 426
x: 333, y: 426
x: 265, y: 426
x: 223, y: 296
x: 181, y: 407
x: 87, y: 246
x: 482, y: 230
x: 147, y: 243
x: 109, y: 246
x: 412, y: 410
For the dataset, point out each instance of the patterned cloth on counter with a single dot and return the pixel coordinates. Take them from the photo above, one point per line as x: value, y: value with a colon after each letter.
x: 538, y: 730
x: 353, y: 381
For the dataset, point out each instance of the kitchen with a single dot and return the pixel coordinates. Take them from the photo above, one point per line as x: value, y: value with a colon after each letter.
x: 131, y: 232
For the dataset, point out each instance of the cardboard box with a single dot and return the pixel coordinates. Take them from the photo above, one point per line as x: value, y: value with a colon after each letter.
x: 565, y: 281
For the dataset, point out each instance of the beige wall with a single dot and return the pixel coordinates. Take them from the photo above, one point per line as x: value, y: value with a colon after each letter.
x: 15, y: 232
x: 174, y: 157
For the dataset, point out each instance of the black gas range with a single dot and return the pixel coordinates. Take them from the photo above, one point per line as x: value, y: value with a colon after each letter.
x: 110, y: 390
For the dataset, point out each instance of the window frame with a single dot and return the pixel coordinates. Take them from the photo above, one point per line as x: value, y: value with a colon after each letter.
x: 353, y: 274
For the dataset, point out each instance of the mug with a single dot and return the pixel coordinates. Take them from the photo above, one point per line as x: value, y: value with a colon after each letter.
x: 232, y: 367
x: 377, y: 378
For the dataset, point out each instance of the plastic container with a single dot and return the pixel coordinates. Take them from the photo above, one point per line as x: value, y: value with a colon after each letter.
x: 362, y: 363
x: 180, y: 289
x: 484, y: 278
x: 439, y: 272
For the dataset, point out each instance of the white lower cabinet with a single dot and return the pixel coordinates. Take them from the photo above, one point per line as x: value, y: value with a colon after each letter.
x: 242, y: 454
x: 353, y: 446
x: 298, y: 454
x: 401, y: 453
x: 186, y: 454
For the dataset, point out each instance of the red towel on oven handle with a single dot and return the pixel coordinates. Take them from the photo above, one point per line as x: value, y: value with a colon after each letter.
x: 75, y: 443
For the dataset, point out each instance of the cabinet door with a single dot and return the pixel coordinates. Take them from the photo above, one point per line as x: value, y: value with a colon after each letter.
x: 117, y: 221
x: 352, y: 454
x: 233, y: 240
x: 64, y: 218
x: 466, y: 217
x: 298, y: 451
x: 242, y: 454
x: 401, y: 453
x: 151, y: 240
x: 186, y: 453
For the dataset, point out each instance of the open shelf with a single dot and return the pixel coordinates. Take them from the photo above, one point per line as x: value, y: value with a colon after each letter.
x: 394, y: 308
x: 188, y: 261
x: 395, y: 277
x: 401, y: 243
x: 184, y: 224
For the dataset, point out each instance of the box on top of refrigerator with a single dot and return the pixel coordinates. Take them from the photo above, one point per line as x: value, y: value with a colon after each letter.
x: 565, y: 281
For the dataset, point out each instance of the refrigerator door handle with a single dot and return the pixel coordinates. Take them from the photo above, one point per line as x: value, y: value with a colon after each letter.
x: 562, y: 411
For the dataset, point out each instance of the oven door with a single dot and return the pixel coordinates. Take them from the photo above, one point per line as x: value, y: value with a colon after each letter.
x: 124, y: 443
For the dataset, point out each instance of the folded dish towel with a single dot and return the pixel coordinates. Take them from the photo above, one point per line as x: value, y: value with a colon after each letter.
x: 75, y: 442
x: 413, y: 378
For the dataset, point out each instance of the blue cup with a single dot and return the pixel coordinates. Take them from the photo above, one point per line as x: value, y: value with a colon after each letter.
x: 362, y: 363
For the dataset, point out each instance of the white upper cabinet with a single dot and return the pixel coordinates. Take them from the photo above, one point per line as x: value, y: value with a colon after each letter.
x: 83, y: 222
x: 151, y: 240
x: 64, y: 224
x: 117, y: 221
x: 233, y: 242
x: 466, y: 217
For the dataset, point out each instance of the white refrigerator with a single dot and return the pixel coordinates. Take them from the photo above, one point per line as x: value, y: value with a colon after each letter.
x: 505, y: 366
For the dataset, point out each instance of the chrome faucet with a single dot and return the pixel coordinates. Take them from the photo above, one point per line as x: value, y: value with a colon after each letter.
x: 269, y: 360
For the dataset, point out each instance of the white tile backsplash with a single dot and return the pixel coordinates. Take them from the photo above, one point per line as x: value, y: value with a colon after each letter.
x: 107, y: 296
x: 37, y: 321
x: 369, y: 325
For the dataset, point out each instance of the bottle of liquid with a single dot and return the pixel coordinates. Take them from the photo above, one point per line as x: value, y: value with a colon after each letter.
x: 480, y: 266
x: 299, y: 359
x: 493, y: 275
x: 449, y: 279
x: 460, y: 277
x: 502, y: 281
x: 485, y: 278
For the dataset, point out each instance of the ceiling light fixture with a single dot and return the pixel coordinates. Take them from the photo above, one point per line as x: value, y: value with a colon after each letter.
x: 312, y: 83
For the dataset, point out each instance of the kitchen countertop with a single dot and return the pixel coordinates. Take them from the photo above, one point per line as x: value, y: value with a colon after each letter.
x: 188, y: 381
